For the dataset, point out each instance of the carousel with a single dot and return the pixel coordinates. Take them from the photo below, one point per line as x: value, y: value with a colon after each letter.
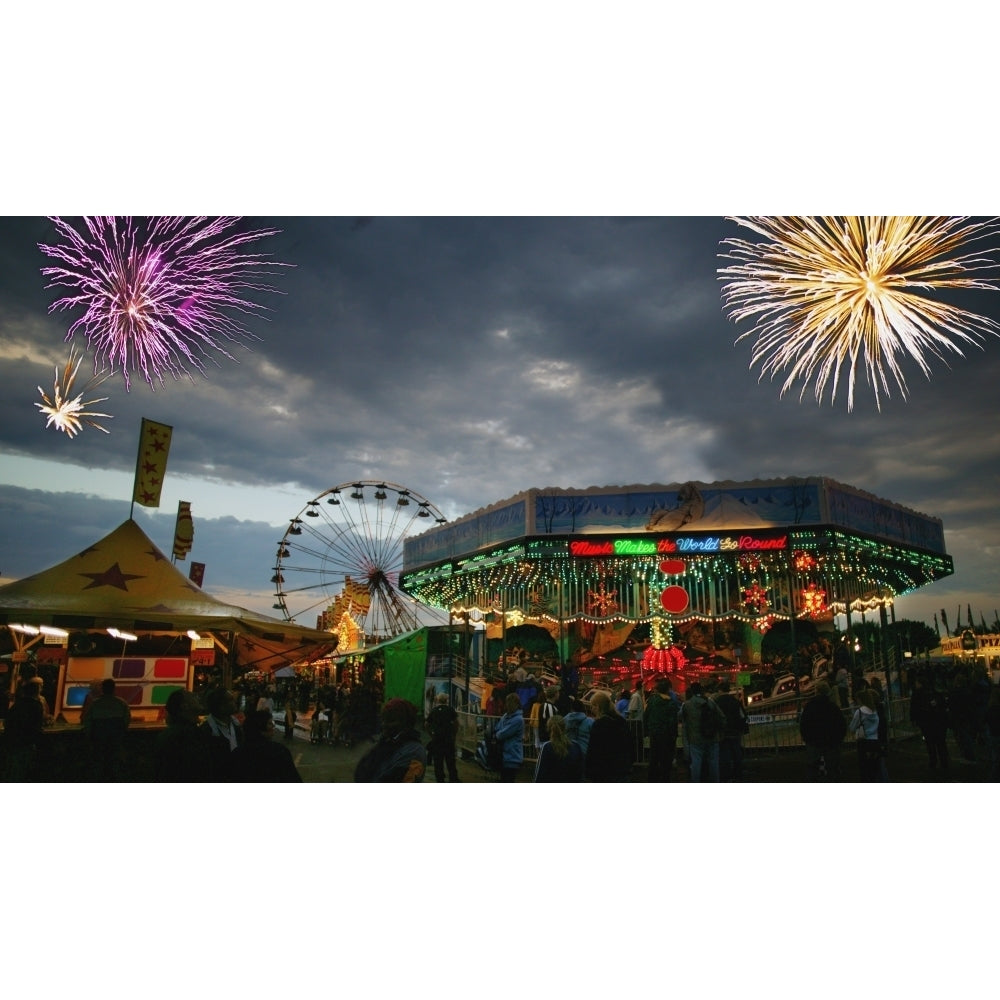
x: 661, y: 574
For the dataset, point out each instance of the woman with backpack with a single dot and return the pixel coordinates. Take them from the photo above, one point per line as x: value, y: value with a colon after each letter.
x: 864, y: 725
x: 703, y: 724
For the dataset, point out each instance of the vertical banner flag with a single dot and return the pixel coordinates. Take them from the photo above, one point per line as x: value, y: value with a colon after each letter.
x: 151, y: 462
x: 184, y: 531
x: 197, y: 574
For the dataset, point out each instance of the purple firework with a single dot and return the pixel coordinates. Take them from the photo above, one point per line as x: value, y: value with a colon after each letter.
x: 158, y: 293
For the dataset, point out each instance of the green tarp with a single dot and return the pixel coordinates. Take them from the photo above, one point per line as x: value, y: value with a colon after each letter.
x: 405, y: 667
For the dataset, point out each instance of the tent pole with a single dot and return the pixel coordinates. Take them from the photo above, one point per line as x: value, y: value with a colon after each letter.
x: 228, y: 663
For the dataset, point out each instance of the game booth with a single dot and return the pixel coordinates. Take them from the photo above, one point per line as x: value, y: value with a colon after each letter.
x: 120, y: 609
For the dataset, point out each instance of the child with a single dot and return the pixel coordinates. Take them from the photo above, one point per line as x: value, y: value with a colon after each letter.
x: 317, y: 731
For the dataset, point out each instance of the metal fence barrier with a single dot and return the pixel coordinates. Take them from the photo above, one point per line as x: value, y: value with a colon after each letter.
x: 772, y: 730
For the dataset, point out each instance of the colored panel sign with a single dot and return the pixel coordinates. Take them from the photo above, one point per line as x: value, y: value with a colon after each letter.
x: 133, y: 668
x: 87, y: 668
x: 131, y: 694
x: 159, y: 693
x: 75, y: 696
x: 172, y: 668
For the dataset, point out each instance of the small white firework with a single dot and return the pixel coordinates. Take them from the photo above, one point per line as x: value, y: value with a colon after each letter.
x: 66, y: 412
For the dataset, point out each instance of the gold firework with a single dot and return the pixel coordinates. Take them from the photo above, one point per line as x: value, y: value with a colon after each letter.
x: 69, y: 413
x: 830, y: 291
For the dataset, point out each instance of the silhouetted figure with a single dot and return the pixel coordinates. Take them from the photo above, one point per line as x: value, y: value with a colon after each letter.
x: 823, y: 727
x: 290, y: 718
x: 185, y: 751
x: 259, y: 757
x: 731, y: 744
x: 222, y: 725
x: 442, y: 724
x: 661, y: 723
x: 882, y: 707
x: 93, y: 693
x: 929, y: 713
x: 864, y: 726
x: 399, y: 754
x: 702, y: 733
x: 578, y: 725
x: 609, y: 752
x: 993, y: 728
x: 560, y: 759
x: 23, y: 732
x: 962, y: 714
x: 106, y: 722
x: 634, y: 714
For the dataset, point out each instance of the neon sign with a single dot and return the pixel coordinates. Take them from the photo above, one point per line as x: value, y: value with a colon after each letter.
x: 682, y: 544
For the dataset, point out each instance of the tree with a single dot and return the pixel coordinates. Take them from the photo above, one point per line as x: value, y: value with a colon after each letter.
x: 777, y: 641
x: 912, y: 637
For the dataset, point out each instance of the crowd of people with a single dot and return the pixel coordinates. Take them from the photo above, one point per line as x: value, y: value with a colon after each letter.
x: 603, y: 738
x: 960, y: 700
x: 697, y: 737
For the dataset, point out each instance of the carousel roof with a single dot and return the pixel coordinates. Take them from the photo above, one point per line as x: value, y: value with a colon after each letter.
x: 681, y: 507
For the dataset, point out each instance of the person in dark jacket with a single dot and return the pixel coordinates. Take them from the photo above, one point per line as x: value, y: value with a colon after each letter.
x: 731, y: 744
x: 106, y: 723
x: 560, y: 759
x: 609, y: 752
x: 442, y: 724
x: 259, y: 757
x: 929, y: 713
x: 184, y: 751
x: 993, y: 728
x: 701, y: 742
x: 23, y: 731
x: 962, y: 714
x: 660, y: 721
x: 399, y: 754
x: 509, y: 733
x: 823, y: 727
x: 882, y: 707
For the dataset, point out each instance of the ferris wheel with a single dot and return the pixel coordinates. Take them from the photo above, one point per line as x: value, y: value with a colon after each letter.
x: 343, y: 553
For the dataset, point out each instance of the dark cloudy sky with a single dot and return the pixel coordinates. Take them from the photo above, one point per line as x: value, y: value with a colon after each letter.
x: 469, y: 358
x: 505, y: 232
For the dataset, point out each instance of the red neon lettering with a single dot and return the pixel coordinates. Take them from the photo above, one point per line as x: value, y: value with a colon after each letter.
x: 666, y: 545
x: 591, y: 548
x: 746, y: 542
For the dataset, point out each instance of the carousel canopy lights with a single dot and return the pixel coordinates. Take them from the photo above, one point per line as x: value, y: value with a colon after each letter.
x: 124, y: 636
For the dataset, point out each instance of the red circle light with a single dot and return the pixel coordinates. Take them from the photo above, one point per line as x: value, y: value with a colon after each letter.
x: 674, y: 599
x: 672, y: 567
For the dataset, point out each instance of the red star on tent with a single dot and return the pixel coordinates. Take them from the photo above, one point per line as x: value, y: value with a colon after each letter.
x: 111, y: 577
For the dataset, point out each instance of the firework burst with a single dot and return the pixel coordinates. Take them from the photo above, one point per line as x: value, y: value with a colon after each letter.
x: 833, y: 291
x: 66, y: 412
x: 158, y: 295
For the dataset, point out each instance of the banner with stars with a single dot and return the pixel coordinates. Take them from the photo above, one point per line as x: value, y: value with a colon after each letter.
x: 151, y: 462
x: 184, y: 530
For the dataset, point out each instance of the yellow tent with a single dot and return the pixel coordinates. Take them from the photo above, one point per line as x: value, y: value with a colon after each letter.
x: 123, y: 581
